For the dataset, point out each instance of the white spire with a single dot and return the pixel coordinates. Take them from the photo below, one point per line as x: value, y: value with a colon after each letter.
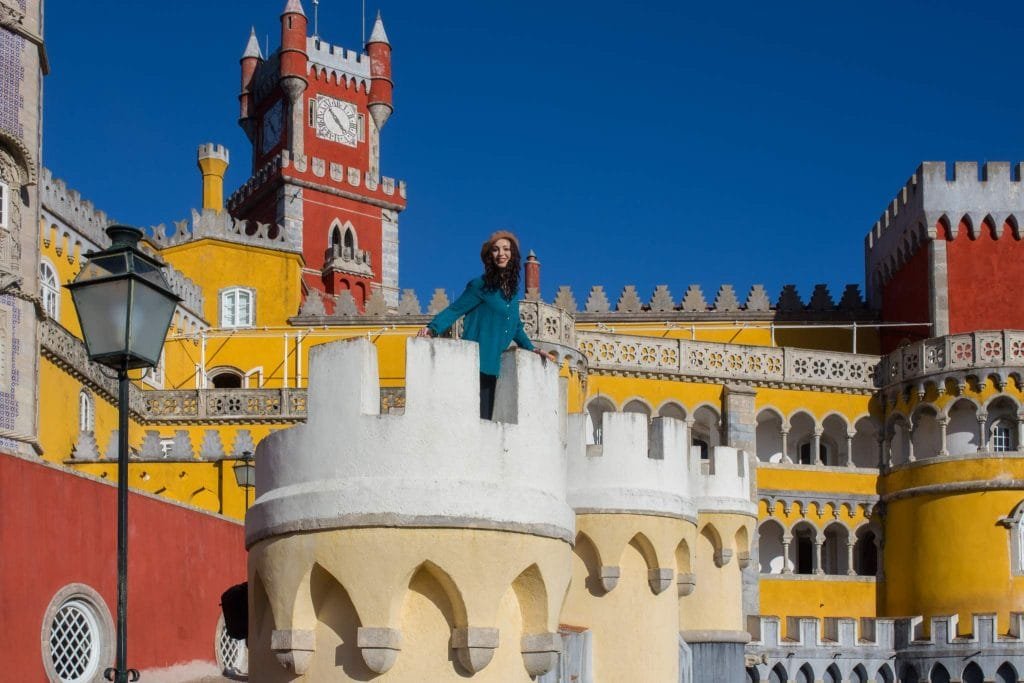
x: 252, y: 48
x: 378, y: 35
x: 294, y: 7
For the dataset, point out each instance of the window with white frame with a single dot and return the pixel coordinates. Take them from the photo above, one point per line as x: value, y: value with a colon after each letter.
x: 1002, y: 436
x: 48, y: 289
x: 237, y: 307
x: 1014, y: 523
x: 5, y: 192
x: 86, y: 412
x: 77, y: 635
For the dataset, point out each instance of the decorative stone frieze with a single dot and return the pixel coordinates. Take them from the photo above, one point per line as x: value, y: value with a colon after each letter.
x: 956, y: 357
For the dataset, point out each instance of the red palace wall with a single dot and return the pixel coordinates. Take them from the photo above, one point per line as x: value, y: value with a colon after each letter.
x: 61, y: 528
x: 986, y: 278
x: 905, y: 299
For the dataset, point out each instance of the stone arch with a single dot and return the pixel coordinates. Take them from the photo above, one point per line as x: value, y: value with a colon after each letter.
x: 898, y: 433
x: 778, y: 674
x: 1001, y: 423
x: 802, y: 428
x: 672, y: 409
x: 427, y: 578
x: 859, y: 674
x: 834, y: 552
x: 833, y: 440
x: 722, y: 554
x: 1014, y: 226
x: 21, y: 159
x: 595, y: 410
x: 643, y: 545
x: 805, y: 674
x: 1006, y: 673
x: 684, y: 557
x: 939, y: 674
x: 532, y: 594
x: 770, y: 546
x: 884, y: 674
x: 962, y: 426
x: 832, y: 674
x: 768, y: 435
x: 338, y: 621
x: 705, y: 433
x: 865, y: 442
x: 972, y: 673
x: 225, y: 377
x: 924, y: 435
x: 742, y: 543
x: 587, y: 552
x: 637, y: 405
x: 909, y: 673
x: 802, y: 549
x: 966, y: 223
x: 867, y: 541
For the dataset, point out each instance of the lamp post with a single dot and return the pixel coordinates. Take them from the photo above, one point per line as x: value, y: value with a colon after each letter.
x: 245, y: 474
x: 124, y: 308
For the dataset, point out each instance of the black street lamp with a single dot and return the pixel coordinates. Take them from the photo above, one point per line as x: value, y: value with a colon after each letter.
x: 124, y: 307
x: 245, y: 474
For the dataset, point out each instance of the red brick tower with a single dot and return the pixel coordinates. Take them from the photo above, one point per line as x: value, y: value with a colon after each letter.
x: 314, y: 112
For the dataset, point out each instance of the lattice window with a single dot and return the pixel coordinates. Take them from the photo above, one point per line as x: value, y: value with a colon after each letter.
x: 48, y: 289
x: 232, y: 654
x: 86, y: 412
x: 74, y: 642
x: 1002, y: 437
x: 237, y: 307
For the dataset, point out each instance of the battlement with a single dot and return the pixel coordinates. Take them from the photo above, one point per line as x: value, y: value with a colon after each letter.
x: 342, y: 178
x: 67, y: 204
x: 814, y: 632
x: 722, y: 482
x: 336, y: 61
x: 436, y: 465
x: 220, y: 225
x: 637, y: 468
x: 725, y: 304
x: 930, y: 196
x: 210, y: 150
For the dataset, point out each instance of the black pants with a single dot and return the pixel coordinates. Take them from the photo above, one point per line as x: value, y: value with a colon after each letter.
x: 488, y: 383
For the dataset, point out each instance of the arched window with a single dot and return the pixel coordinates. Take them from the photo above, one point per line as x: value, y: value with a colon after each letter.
x: 770, y: 547
x: 637, y: 406
x: 78, y: 635
x: 807, y: 448
x: 939, y: 674
x: 865, y: 553
x: 237, y: 307
x: 48, y: 289
x: 972, y: 674
x: 86, y: 412
x: 225, y: 378
x: 595, y: 416
x: 1006, y: 673
x: 805, y: 674
x: 1002, y: 436
x: 834, y: 558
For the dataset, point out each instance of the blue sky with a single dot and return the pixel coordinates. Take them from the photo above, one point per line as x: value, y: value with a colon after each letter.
x: 626, y: 143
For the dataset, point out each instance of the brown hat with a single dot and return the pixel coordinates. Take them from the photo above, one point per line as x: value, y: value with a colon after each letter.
x: 501, y: 234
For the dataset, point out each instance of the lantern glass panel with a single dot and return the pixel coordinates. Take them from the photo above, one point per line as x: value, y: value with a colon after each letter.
x: 151, y: 315
x: 103, y: 314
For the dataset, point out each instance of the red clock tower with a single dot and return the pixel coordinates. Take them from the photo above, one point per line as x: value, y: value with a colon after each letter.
x: 314, y: 112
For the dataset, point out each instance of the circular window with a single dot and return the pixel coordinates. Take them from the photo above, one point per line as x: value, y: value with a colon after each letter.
x: 77, y: 636
x: 75, y: 642
x: 232, y: 654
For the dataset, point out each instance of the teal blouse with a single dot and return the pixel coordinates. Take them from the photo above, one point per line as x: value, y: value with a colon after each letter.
x: 492, y: 321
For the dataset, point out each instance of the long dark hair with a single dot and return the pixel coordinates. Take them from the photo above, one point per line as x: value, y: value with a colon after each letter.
x: 505, y: 280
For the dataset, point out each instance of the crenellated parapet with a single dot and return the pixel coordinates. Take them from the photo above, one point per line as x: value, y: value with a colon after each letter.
x: 724, y: 305
x: 336, y: 63
x: 469, y: 511
x: 219, y: 225
x: 884, y: 648
x: 318, y: 174
x: 723, y: 482
x: 929, y: 198
x: 68, y: 205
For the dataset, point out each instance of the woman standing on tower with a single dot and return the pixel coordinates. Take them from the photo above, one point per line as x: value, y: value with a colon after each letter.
x: 492, y: 313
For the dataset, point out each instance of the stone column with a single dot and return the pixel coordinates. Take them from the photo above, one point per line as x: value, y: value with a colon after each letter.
x: 740, y: 418
x: 816, y: 558
x: 849, y: 449
x: 943, y: 446
x: 982, y: 432
x: 785, y: 445
x: 816, y: 446
x: 787, y: 568
x: 938, y: 300
x: 849, y: 557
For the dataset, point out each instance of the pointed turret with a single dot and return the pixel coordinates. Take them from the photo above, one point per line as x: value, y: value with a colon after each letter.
x: 251, y: 59
x: 381, y: 86
x: 293, y: 68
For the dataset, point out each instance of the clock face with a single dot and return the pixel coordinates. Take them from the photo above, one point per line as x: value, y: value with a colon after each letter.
x: 337, y: 120
x: 273, y: 123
